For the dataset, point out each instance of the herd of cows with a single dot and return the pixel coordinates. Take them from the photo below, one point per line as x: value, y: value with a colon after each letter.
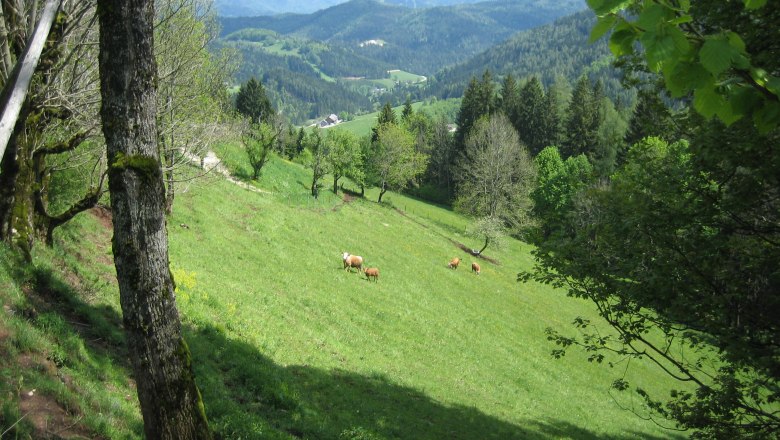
x: 356, y: 261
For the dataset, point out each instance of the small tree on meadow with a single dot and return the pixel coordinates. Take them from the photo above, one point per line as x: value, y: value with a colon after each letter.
x: 394, y: 163
x: 317, y: 160
x: 259, y: 140
x: 343, y: 154
x: 497, y: 175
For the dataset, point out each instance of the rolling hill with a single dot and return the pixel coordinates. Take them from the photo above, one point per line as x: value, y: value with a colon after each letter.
x: 286, y: 344
x: 560, y: 49
x: 306, y: 79
x: 251, y: 8
x: 417, y: 40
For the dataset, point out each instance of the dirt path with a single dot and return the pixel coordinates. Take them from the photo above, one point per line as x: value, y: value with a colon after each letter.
x: 212, y: 163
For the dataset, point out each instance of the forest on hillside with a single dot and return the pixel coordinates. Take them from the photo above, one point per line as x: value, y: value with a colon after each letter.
x: 418, y: 40
x: 554, y: 52
x: 662, y: 220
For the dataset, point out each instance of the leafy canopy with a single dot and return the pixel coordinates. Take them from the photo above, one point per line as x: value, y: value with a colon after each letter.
x: 710, y: 62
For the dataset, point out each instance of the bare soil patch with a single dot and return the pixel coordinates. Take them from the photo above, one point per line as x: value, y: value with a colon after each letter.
x: 49, y: 418
x: 455, y: 243
x: 103, y: 214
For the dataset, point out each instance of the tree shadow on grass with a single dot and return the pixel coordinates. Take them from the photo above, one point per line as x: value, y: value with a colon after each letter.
x: 247, y: 395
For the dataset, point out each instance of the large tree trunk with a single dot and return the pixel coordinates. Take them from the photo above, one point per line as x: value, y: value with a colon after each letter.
x: 9, y: 173
x: 170, y: 401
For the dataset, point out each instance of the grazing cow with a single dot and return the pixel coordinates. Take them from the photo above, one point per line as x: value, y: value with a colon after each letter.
x: 453, y: 264
x: 351, y: 261
x: 475, y: 268
x: 372, y: 272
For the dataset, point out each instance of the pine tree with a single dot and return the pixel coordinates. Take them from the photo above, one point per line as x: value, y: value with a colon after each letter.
x: 509, y: 103
x: 581, y: 121
x: 551, y: 131
x: 408, y: 111
x: 386, y: 116
x: 479, y: 100
x: 531, y: 116
x: 252, y: 102
x: 651, y: 117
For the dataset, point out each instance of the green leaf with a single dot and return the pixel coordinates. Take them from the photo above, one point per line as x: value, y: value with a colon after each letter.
x: 603, y: 25
x: 651, y: 16
x: 754, y: 4
x: 767, y: 118
x: 706, y: 101
x: 681, y: 20
x: 659, y: 49
x: 681, y: 42
x: 716, y: 55
x: 744, y: 100
x: 595, y: 4
x: 773, y: 85
x: 727, y: 114
x: 622, y: 42
x: 683, y: 77
x: 735, y: 40
x: 601, y: 7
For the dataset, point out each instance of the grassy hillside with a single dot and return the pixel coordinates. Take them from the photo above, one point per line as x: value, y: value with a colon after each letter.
x: 286, y: 344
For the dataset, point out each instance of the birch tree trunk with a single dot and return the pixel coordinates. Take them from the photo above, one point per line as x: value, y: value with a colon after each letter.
x: 170, y: 401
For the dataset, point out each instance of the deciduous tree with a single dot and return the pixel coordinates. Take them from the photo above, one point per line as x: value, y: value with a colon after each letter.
x: 259, y: 140
x: 497, y: 179
x: 170, y: 402
x: 316, y: 160
x: 343, y: 155
x: 394, y: 163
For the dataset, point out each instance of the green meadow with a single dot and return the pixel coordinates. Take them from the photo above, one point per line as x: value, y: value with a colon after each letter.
x: 403, y: 76
x: 287, y: 344
x: 447, y: 109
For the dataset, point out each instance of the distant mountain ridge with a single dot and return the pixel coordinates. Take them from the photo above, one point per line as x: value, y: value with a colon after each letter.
x: 560, y: 49
x: 253, y: 8
x: 417, y: 40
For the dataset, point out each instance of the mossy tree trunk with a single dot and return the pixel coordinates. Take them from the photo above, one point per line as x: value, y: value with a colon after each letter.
x: 9, y: 173
x: 170, y: 402
x: 23, y: 208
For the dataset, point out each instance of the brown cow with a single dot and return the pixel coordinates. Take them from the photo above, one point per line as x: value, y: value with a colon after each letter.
x: 372, y: 272
x: 453, y: 264
x: 475, y: 268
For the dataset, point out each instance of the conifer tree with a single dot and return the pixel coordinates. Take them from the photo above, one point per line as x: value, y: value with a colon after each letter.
x: 530, y: 120
x: 551, y: 118
x: 252, y: 102
x: 386, y: 116
x: 581, y: 134
x: 650, y: 117
x: 408, y: 111
x: 479, y: 100
x: 509, y: 102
